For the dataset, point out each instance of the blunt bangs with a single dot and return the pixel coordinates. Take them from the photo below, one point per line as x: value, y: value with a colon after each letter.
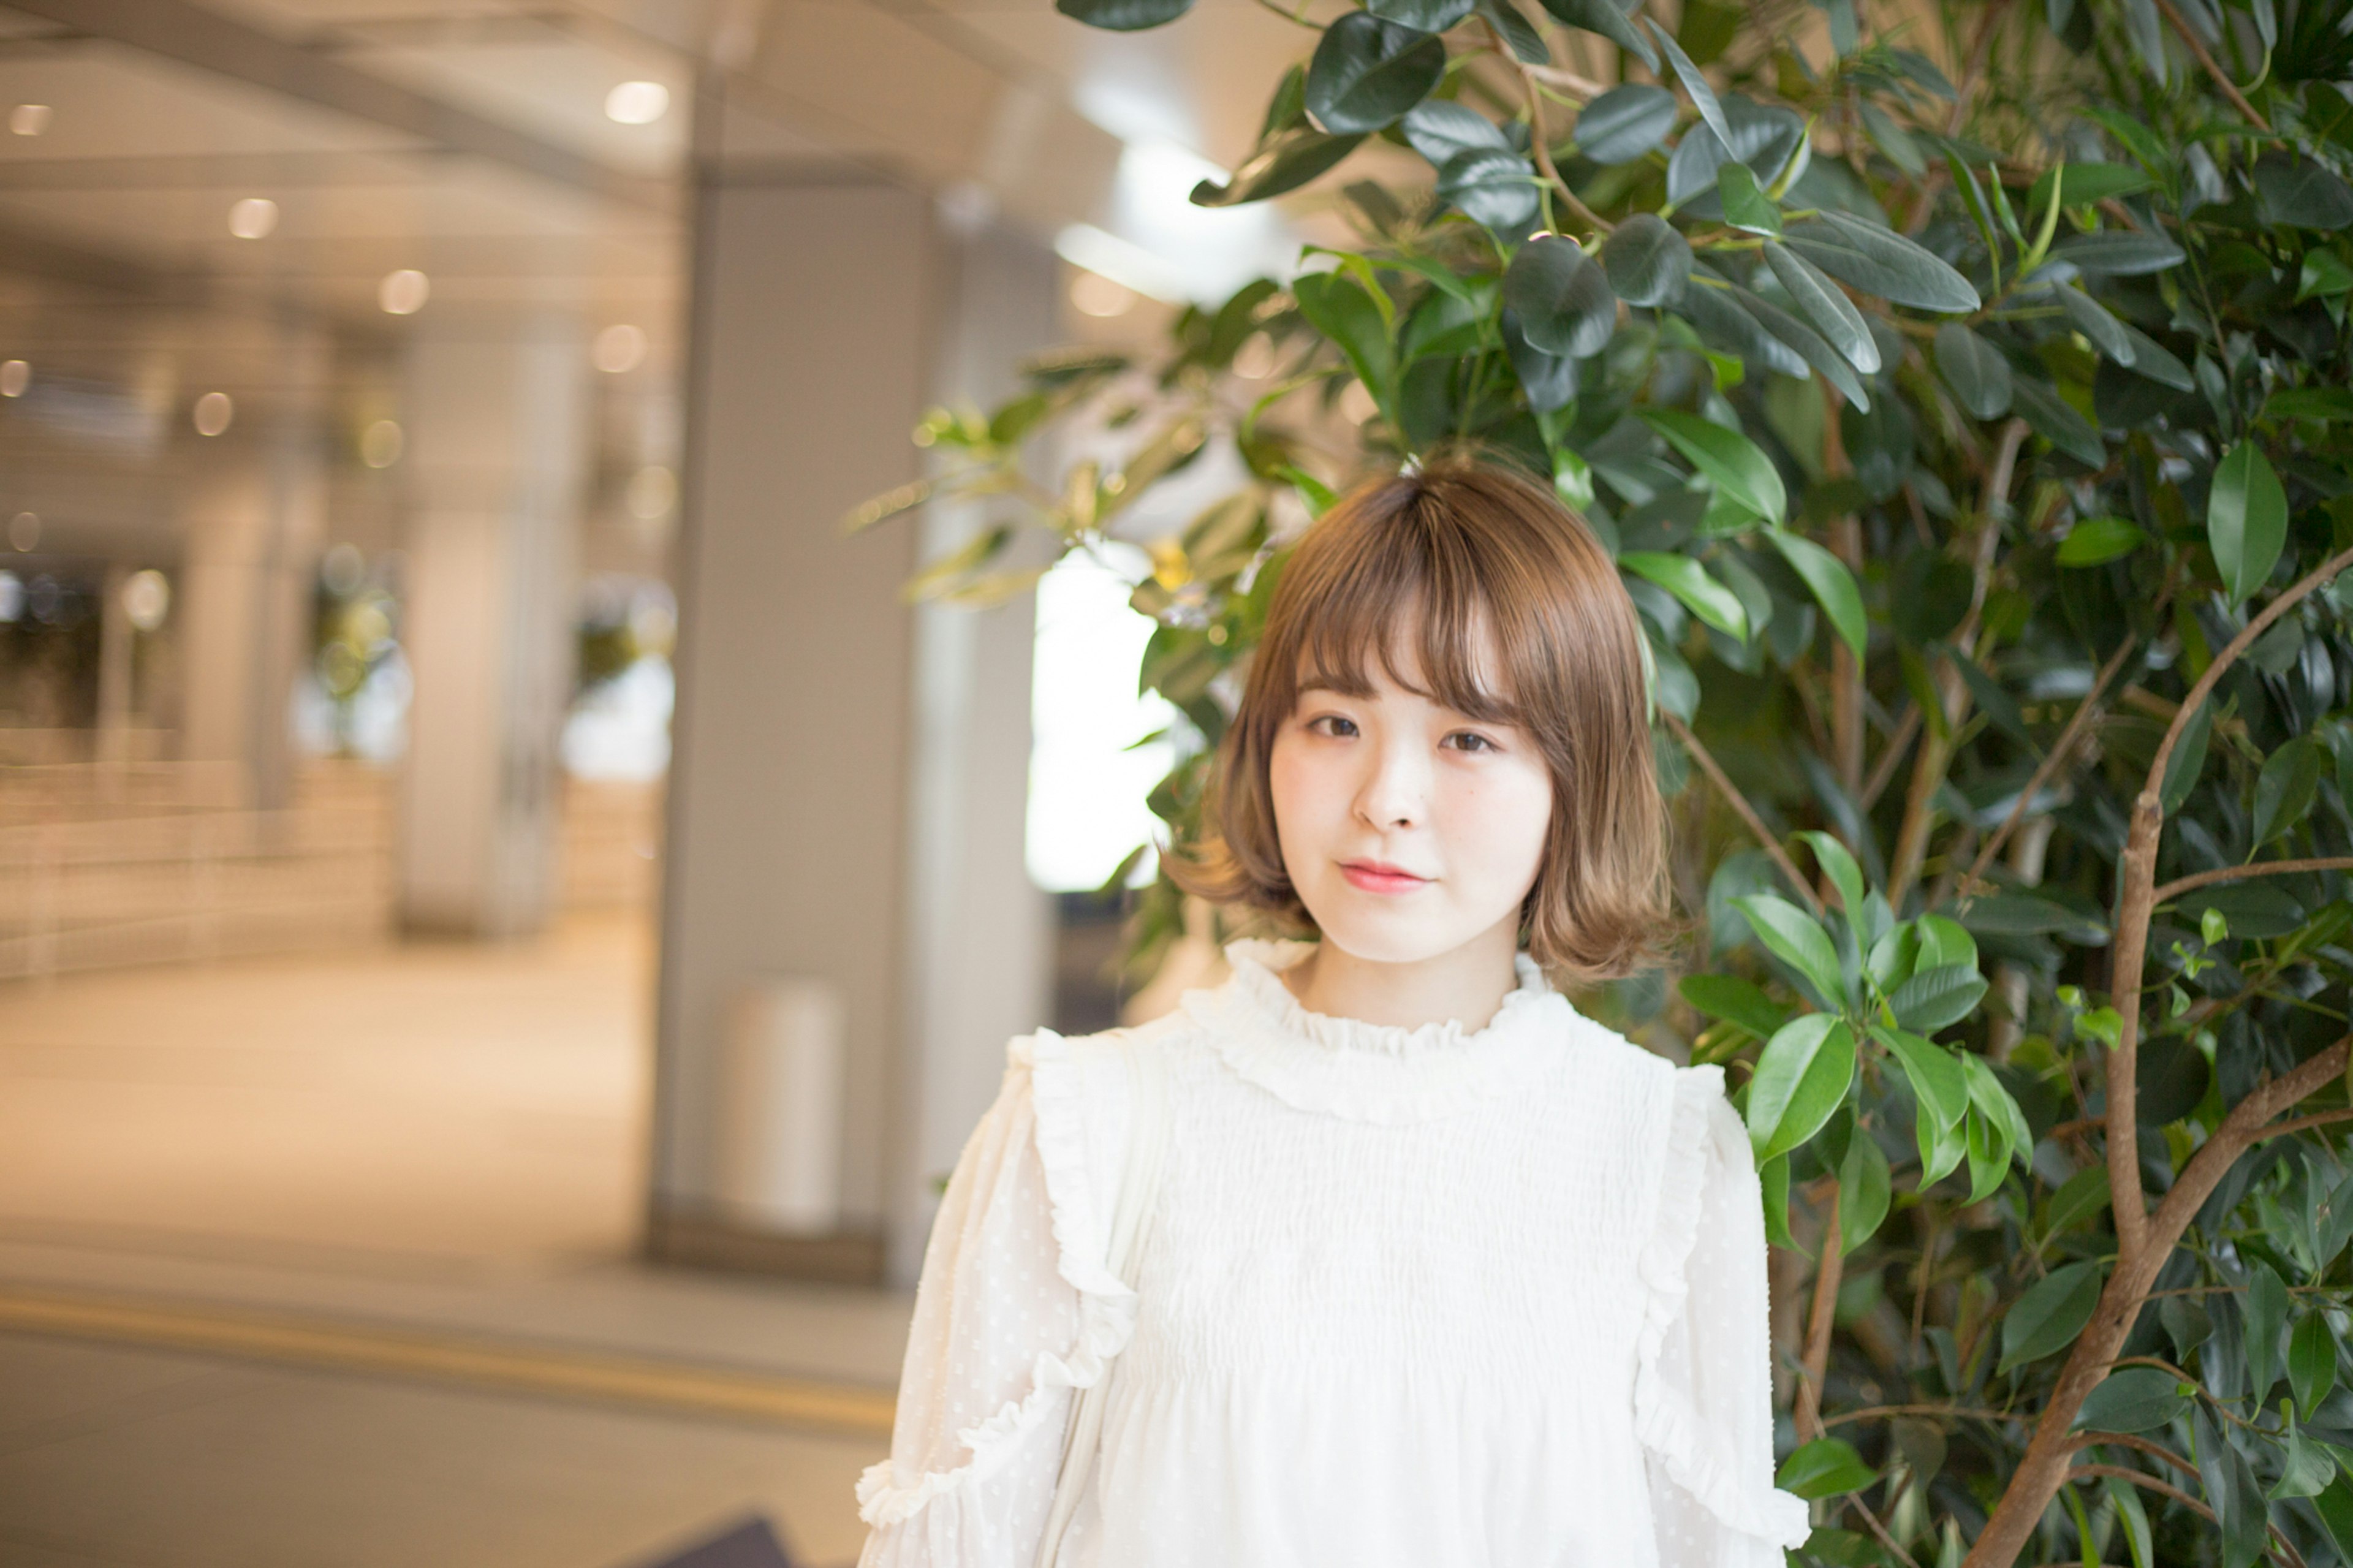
x: 1473, y: 588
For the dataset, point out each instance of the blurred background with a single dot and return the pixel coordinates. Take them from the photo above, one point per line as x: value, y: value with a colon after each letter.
x: 507, y: 912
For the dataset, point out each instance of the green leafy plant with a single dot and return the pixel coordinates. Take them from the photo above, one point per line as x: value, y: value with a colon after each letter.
x: 1964, y: 394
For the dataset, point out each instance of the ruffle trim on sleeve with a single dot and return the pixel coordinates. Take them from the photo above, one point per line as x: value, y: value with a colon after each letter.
x: 1665, y: 1420
x: 1107, y: 1306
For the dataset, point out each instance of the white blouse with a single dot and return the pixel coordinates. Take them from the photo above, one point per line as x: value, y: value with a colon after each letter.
x: 1436, y: 1298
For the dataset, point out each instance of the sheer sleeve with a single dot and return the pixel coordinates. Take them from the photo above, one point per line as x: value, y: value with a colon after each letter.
x: 1014, y: 1310
x: 1704, y: 1388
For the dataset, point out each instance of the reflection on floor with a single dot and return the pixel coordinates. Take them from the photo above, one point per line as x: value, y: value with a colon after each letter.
x: 429, y: 1146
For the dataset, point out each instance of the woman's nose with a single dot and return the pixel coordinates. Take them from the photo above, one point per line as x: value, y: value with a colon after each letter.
x: 1396, y: 794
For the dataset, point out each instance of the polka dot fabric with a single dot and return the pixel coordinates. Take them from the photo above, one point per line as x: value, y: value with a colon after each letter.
x: 1437, y: 1298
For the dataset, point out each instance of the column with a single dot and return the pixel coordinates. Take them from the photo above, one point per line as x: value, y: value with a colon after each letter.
x: 496, y: 416
x: 848, y: 776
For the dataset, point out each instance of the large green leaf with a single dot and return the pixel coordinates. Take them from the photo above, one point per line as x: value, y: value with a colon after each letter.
x: 2311, y: 1361
x: 1646, y: 261
x: 1283, y: 162
x: 1980, y: 377
x: 1864, y: 1190
x: 1695, y: 82
x: 1688, y: 581
x: 2082, y: 184
x: 2096, y: 541
x: 1491, y: 186
x: 1604, y: 17
x: 2054, y: 419
x: 1798, y: 940
x: 2286, y: 787
x: 1123, y: 16
x: 1561, y: 297
x: 1336, y: 305
x: 2264, y: 1308
x: 1711, y: 307
x: 2132, y: 1399
x: 1439, y: 130
x: 1625, y: 122
x: 1428, y: 15
x: 1826, y: 306
x: 1824, y: 1467
x: 1833, y: 585
x: 2300, y: 193
x: 1933, y: 999
x: 1810, y: 345
x: 1745, y: 204
x: 1730, y: 460
x: 2188, y: 759
x: 1801, y: 1078
x: 2247, y: 519
x: 1880, y: 262
x: 2047, y: 1317
x: 1938, y: 1084
x: 1735, y: 1001
x: 2092, y: 318
x: 1365, y: 72
x: 1845, y: 876
x: 2118, y: 255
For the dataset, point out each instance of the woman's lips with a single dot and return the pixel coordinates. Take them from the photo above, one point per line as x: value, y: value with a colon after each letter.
x: 1374, y: 877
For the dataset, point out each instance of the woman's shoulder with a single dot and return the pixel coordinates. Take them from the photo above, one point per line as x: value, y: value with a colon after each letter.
x: 1694, y: 1097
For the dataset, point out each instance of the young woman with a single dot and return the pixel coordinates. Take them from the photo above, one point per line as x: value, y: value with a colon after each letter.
x: 1423, y: 1268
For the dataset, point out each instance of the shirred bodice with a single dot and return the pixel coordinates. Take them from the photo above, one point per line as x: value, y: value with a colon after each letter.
x: 1418, y: 1296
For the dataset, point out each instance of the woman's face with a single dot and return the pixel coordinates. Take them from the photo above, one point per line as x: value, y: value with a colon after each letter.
x: 1408, y: 829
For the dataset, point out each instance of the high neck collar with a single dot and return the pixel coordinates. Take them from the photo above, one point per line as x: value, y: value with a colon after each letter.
x: 1373, y: 1072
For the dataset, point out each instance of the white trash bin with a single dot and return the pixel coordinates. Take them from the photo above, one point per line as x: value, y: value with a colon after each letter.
x: 780, y: 1107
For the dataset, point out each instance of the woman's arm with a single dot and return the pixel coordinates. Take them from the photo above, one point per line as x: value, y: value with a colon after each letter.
x: 1012, y: 1315
x: 1705, y: 1399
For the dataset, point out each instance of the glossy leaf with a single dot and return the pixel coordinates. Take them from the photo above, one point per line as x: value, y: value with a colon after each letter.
x: 2132, y: 1399
x: 1826, y: 1467
x: 1975, y: 370
x: 1339, y: 307
x: 1604, y: 17
x: 2286, y: 788
x: 2046, y: 1319
x: 1832, y: 312
x: 1801, y: 1078
x: 1646, y: 261
x: 1863, y: 1191
x: 1428, y: 15
x: 1439, y: 130
x: 2264, y: 1312
x: 1711, y: 307
x: 1287, y: 162
x: 1735, y: 1001
x: 2096, y: 541
x: 1688, y: 581
x: 1839, y: 866
x: 1798, y: 940
x: 1938, y: 1082
x: 1365, y: 72
x: 1561, y: 298
x: 1933, y: 999
x: 1123, y: 16
x: 1833, y: 586
x: 2114, y: 255
x: 2311, y: 1363
x: 2092, y: 318
x: 1695, y: 82
x: 1730, y: 460
x: 2081, y: 1196
x: 1625, y: 122
x: 1745, y: 204
x: 1490, y: 186
x: 2054, y: 419
x: 1880, y: 262
x: 2246, y: 520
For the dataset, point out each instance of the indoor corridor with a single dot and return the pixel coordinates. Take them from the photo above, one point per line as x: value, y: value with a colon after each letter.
x: 327, y: 1260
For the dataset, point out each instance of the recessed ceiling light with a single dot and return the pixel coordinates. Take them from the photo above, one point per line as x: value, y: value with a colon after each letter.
x: 380, y: 444
x: 14, y: 376
x: 637, y: 102
x: 618, y: 348
x: 146, y: 598
x: 1096, y: 295
x: 253, y: 217
x: 403, y: 293
x: 25, y: 530
x: 30, y: 119
x: 214, y: 411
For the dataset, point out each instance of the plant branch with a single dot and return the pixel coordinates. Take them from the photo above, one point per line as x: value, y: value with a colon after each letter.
x: 1540, y: 142
x: 2142, y: 1479
x: 2304, y: 1124
x: 1818, y: 1326
x: 1740, y: 803
x: 2180, y: 885
x: 1880, y: 1530
x: 2222, y: 77
x: 2077, y: 726
x: 1890, y: 760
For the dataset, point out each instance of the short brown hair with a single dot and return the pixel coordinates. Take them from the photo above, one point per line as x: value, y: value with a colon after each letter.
x: 1459, y: 547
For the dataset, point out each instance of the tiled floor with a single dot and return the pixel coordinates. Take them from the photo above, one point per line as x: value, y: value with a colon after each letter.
x: 441, y: 1139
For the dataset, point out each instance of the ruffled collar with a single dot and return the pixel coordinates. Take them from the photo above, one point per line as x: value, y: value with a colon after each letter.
x: 1373, y: 1072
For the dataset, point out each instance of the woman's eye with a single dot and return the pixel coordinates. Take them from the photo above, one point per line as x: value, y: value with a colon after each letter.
x: 1331, y: 724
x: 1471, y: 740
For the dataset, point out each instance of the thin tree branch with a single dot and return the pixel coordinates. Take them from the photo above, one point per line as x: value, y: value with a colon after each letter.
x: 1740, y: 803
x: 1891, y: 759
x: 2180, y: 885
x: 1540, y: 140
x: 2222, y: 77
x: 2079, y: 722
x: 2141, y: 1445
x: 1880, y: 1530
x: 1818, y: 1328
x: 2142, y: 1479
x: 2304, y: 1123
x: 1949, y: 1411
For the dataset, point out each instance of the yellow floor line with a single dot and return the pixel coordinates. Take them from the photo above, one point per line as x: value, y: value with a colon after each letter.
x: 315, y: 1342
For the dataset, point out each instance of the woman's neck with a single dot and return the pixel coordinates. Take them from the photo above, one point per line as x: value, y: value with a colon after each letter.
x: 1466, y: 985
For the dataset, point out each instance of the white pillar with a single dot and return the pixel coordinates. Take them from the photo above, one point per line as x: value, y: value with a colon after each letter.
x: 495, y: 414
x: 253, y: 512
x: 847, y: 788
